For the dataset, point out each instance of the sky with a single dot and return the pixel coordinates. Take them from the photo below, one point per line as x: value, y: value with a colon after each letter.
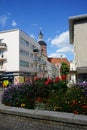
x: 51, y: 17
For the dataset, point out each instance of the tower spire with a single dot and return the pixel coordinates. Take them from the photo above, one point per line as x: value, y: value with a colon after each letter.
x: 40, y: 36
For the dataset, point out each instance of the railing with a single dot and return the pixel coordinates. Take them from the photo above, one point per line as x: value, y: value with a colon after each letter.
x: 2, y: 58
x: 3, y: 46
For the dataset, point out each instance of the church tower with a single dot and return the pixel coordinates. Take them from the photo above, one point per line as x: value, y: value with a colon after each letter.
x: 42, y: 44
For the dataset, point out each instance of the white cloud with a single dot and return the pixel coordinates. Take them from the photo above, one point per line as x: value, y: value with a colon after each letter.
x: 64, y: 49
x: 61, y: 40
x: 57, y: 55
x: 33, y: 36
x: 14, y: 23
x: 62, y: 45
x: 53, y: 55
x: 3, y: 20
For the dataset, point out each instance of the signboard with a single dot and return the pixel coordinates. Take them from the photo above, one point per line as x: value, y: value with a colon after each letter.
x: 18, y: 79
x: 5, y: 83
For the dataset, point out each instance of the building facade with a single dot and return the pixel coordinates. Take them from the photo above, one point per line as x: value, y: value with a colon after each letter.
x: 78, y: 37
x: 21, y: 57
x: 57, y: 62
x: 17, y: 54
x: 72, y: 77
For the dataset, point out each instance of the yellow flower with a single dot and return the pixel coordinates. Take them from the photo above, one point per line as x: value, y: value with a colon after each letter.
x: 22, y: 105
x: 57, y: 108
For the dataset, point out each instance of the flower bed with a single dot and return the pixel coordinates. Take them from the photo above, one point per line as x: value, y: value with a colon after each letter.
x: 50, y: 94
x: 19, y: 96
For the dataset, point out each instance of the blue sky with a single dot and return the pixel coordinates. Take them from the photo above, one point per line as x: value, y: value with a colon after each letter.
x: 49, y: 16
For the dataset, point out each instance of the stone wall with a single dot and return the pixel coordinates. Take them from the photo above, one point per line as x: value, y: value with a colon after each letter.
x: 12, y: 118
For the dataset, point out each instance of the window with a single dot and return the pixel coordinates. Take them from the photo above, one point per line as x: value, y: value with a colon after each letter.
x: 31, y: 46
x: 31, y: 65
x: 31, y: 55
x: 24, y: 63
x: 24, y: 53
x: 24, y: 42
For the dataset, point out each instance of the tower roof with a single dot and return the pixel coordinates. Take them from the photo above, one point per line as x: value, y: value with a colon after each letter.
x: 41, y: 33
x: 40, y: 36
x: 42, y: 43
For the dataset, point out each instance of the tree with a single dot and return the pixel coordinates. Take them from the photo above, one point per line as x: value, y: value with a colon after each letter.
x: 64, y: 70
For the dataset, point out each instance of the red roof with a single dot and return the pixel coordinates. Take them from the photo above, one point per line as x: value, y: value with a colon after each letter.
x: 58, y: 60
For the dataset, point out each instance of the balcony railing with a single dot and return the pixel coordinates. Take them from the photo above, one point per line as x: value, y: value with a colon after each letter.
x: 2, y: 58
x: 3, y: 46
x: 35, y: 51
x: 43, y: 63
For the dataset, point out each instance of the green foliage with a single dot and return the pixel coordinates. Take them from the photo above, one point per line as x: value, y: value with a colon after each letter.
x: 41, y: 90
x: 52, y: 94
x: 60, y: 85
x: 64, y: 69
x: 55, y: 100
x: 75, y: 100
x: 19, y: 96
x: 56, y: 96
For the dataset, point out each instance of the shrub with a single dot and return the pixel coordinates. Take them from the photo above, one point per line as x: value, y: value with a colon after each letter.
x: 41, y: 89
x: 19, y: 96
x: 56, y: 95
x: 65, y: 99
x: 83, y: 86
x: 75, y: 100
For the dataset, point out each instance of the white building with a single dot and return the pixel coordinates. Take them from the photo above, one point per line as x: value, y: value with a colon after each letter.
x: 78, y: 37
x: 21, y: 57
x: 72, y: 72
x: 17, y: 53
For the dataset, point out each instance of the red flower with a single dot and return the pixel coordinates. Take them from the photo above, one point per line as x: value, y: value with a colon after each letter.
x: 76, y: 112
x: 46, y: 83
x: 84, y: 107
x: 49, y: 81
x: 36, y: 78
x: 63, y: 77
x: 56, y: 79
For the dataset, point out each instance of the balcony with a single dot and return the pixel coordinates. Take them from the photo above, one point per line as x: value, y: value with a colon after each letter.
x: 3, y: 58
x: 36, y: 60
x: 3, y: 46
x: 35, y: 51
x: 43, y: 63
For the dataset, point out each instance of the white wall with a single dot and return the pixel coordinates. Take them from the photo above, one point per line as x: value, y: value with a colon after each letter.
x: 12, y: 40
x: 12, y: 54
x: 80, y: 44
x: 28, y: 49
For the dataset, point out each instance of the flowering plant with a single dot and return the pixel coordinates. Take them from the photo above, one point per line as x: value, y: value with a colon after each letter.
x: 57, y: 95
x: 41, y: 88
x: 21, y: 95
